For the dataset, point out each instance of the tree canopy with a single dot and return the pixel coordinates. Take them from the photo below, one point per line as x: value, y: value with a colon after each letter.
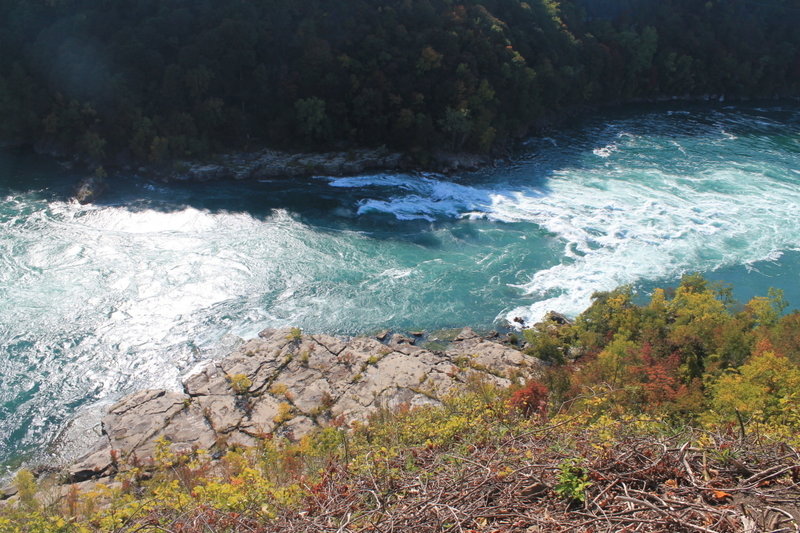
x: 154, y: 80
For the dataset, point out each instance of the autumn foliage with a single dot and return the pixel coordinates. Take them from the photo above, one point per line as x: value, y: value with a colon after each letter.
x: 690, y: 353
x: 680, y: 414
x: 531, y: 400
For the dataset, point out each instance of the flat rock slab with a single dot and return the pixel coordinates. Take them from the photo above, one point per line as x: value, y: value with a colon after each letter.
x: 287, y: 384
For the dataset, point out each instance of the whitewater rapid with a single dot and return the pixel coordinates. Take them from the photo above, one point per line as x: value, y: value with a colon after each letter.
x: 632, y: 205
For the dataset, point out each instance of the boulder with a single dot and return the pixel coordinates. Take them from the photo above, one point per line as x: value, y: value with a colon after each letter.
x: 556, y: 318
x: 97, y: 463
x: 89, y: 189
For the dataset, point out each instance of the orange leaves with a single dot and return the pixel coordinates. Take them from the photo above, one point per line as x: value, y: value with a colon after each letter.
x: 721, y: 495
x: 531, y: 400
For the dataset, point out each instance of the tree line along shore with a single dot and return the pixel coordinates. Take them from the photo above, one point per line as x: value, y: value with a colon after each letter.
x: 152, y: 82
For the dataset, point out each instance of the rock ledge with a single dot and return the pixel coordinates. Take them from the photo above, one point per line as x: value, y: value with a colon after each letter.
x: 285, y: 383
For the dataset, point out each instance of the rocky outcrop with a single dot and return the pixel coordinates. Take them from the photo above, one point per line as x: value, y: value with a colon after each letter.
x: 275, y: 165
x: 271, y: 164
x: 286, y: 384
x: 89, y: 189
x: 448, y: 162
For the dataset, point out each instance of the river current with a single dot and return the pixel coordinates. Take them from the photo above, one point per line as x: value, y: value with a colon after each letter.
x: 101, y: 300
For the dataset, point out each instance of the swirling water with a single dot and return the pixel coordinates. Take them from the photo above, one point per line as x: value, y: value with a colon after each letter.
x: 97, y: 301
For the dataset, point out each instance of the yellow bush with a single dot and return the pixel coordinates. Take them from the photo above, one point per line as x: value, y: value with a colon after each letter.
x: 766, y: 388
x: 240, y: 383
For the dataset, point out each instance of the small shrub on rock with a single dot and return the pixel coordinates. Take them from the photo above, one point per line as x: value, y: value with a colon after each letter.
x: 530, y: 400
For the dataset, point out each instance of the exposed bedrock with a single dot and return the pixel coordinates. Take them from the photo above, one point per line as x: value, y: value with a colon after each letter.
x: 284, y: 383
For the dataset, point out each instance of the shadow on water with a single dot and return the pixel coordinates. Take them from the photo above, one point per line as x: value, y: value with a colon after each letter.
x: 311, y: 201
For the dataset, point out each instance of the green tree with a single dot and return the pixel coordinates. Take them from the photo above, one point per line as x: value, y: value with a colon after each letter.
x: 457, y: 124
x: 312, y: 119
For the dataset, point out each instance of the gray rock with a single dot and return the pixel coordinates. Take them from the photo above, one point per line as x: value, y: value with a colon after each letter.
x: 321, y: 360
x: 210, y: 381
x: 271, y: 164
x: 493, y: 358
x: 8, y: 491
x: 409, y: 349
x: 262, y: 417
x: 297, y: 383
x: 311, y: 398
x: 452, y: 162
x: 138, y: 419
x: 207, y: 172
x: 240, y: 439
x: 360, y: 350
x: 557, y: 318
x: 90, y: 189
x: 397, y: 340
x: 187, y: 431
x: 95, y: 464
x: 465, y: 334
x: 331, y: 344
x: 224, y: 413
x: 297, y: 427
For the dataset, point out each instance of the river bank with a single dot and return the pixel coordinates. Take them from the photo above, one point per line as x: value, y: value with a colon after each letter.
x: 268, y: 165
x: 286, y: 384
x: 273, y: 164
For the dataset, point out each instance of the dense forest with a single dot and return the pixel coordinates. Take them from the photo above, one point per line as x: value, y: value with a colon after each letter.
x: 158, y: 80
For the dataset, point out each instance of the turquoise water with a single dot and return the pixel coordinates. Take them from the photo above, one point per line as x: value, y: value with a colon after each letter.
x: 97, y: 301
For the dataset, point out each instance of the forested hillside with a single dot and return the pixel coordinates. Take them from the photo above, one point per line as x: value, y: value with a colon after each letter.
x: 154, y: 80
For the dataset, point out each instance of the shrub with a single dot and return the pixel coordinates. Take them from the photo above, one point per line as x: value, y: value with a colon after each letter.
x: 530, y: 400
x: 573, y: 480
x: 240, y: 383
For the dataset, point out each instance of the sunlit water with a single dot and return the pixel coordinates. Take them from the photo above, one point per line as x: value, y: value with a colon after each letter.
x: 97, y: 301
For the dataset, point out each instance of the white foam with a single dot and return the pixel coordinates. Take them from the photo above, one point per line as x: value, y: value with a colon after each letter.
x: 380, y: 180
x: 606, y: 151
x: 396, y: 273
x: 430, y: 198
x: 620, y: 225
x: 148, y: 221
x: 674, y: 231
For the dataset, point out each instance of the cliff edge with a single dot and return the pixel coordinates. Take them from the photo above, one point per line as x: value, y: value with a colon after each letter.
x: 285, y: 383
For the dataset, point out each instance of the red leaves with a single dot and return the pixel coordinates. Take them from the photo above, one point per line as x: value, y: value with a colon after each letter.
x: 531, y: 400
x: 661, y: 378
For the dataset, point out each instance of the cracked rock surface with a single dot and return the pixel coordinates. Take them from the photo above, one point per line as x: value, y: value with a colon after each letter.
x: 285, y: 383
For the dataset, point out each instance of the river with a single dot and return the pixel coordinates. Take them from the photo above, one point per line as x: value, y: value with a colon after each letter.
x: 97, y: 301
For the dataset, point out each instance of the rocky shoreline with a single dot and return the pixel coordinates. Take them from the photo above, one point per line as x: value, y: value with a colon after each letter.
x: 285, y: 384
x: 275, y: 165
x: 272, y: 164
x: 269, y: 164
